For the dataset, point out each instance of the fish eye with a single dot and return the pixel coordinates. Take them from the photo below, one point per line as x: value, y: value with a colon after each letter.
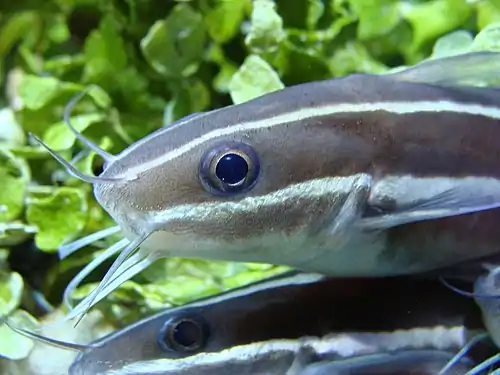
x: 183, y: 334
x: 229, y: 168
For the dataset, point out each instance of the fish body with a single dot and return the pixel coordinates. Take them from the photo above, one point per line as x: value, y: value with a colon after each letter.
x: 282, y: 360
x: 405, y: 144
x: 360, y: 176
x: 271, y: 317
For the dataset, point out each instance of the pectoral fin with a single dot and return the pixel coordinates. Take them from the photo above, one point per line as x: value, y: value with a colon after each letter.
x: 450, y: 202
x: 352, y: 209
x: 337, y: 228
x: 425, y: 361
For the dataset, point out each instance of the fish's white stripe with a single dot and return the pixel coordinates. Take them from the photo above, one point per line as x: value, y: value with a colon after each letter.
x: 473, y: 193
x: 312, y: 112
x: 320, y: 187
x: 345, y: 345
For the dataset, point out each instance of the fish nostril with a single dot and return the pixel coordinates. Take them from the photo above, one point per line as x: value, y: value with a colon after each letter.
x: 183, y: 334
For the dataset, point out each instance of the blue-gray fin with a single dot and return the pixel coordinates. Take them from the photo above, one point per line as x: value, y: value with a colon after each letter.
x: 431, y: 362
x: 451, y: 202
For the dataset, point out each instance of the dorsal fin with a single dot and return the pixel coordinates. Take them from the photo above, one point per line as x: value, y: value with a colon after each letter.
x: 473, y: 68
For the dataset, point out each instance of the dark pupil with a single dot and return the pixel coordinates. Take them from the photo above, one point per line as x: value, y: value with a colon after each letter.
x: 187, y: 334
x: 231, y: 169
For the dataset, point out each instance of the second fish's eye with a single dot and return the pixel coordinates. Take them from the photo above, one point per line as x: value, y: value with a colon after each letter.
x: 183, y: 334
x: 229, y: 168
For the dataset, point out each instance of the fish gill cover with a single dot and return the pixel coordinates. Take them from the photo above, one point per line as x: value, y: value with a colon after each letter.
x: 154, y: 62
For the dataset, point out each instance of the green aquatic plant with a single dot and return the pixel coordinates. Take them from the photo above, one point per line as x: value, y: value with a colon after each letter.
x: 154, y: 62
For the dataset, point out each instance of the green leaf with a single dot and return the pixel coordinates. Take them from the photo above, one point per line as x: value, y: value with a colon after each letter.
x: 376, y: 18
x: 105, y: 54
x: 11, y: 289
x: 454, y: 43
x: 133, y: 86
x: 58, y: 31
x: 4, y: 256
x: 175, y: 46
x: 226, y: 68
x: 223, y: 22
x: 302, y: 62
x: 15, y: 232
x: 222, y: 81
x: 252, y: 274
x: 354, y: 57
x: 434, y: 18
x: 14, y: 346
x: 316, y: 10
x: 100, y: 97
x: 266, y: 31
x: 487, y: 12
x: 12, y: 134
x: 488, y: 39
x: 176, y: 281
x: 37, y: 92
x: 58, y: 65
x: 59, y: 217
x: 254, y: 78
x: 192, y: 96
x: 15, y: 29
x: 30, y: 152
x: 60, y: 137
x: 14, y: 177
x: 304, y: 14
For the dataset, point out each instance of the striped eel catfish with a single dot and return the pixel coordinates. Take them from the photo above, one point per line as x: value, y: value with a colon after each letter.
x: 364, y: 175
x: 298, y: 323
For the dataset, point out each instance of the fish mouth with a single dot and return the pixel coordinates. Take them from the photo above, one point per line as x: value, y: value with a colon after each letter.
x: 135, y: 252
x: 134, y: 255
